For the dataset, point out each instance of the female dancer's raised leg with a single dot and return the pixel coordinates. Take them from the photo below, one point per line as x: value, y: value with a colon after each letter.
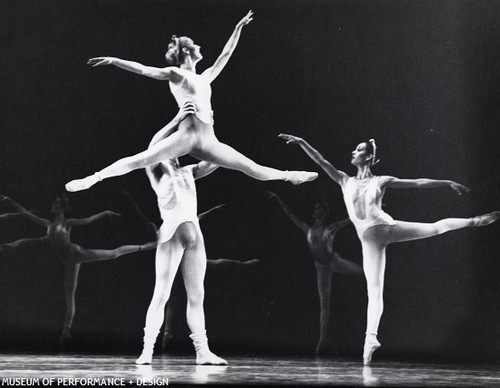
x: 226, y: 156
x: 375, y: 240
x: 92, y: 255
x: 181, y: 143
x: 193, y: 268
x: 23, y: 243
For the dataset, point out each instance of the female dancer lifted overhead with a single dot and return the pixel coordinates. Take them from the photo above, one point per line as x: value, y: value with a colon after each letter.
x: 195, y: 135
x: 376, y: 229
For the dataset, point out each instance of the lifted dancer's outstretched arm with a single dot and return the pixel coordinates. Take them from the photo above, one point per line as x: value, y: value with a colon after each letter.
x: 195, y: 135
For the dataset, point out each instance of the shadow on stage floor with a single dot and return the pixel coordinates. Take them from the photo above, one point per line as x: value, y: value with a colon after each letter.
x: 120, y: 370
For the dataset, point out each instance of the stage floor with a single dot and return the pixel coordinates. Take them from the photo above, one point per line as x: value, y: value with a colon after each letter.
x: 120, y: 370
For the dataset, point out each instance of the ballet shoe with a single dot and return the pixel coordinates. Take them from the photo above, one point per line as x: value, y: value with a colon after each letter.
x: 299, y: 177
x: 210, y: 359
x: 251, y: 262
x: 64, y: 342
x: 82, y: 184
x: 145, y: 358
x: 368, y: 351
x: 486, y: 219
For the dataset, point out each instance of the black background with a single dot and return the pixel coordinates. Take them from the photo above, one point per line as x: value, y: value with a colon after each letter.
x: 421, y: 77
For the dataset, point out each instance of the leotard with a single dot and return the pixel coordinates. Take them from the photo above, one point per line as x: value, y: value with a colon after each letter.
x: 369, y: 200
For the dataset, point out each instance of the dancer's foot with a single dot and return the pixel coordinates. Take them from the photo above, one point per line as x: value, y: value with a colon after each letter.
x: 250, y: 262
x: 320, y: 347
x: 486, y: 219
x: 370, y: 347
x: 82, y: 184
x: 298, y: 177
x: 145, y: 358
x: 209, y: 358
x: 64, y: 341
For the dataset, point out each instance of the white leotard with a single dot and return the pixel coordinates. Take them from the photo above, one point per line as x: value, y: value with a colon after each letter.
x: 196, y: 88
x: 369, y: 201
x: 177, y: 202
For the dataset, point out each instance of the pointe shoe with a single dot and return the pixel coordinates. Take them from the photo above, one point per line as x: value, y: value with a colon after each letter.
x: 368, y: 350
x: 82, y: 184
x: 486, y: 219
x: 299, y: 177
x: 210, y: 359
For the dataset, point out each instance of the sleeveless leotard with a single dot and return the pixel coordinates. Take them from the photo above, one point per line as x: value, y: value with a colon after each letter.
x: 177, y: 201
x: 370, y: 200
x: 196, y: 88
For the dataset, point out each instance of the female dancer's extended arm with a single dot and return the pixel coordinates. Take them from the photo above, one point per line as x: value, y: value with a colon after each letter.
x: 229, y: 47
x: 338, y: 176
x: 89, y: 220
x: 336, y: 226
x: 300, y: 224
x: 421, y: 183
x: 169, y: 73
x: 25, y: 213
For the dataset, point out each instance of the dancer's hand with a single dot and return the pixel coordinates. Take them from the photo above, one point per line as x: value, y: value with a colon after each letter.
x: 247, y: 19
x: 460, y: 189
x: 4, y: 198
x: 100, y: 61
x: 188, y: 108
x: 271, y: 195
x: 290, y: 139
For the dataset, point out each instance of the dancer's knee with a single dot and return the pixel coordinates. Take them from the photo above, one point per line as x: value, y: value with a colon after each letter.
x: 187, y: 235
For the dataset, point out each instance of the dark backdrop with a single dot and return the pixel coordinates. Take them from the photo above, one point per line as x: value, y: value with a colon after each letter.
x: 421, y: 77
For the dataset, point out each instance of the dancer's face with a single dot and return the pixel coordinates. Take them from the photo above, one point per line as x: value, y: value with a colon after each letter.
x: 360, y: 156
x: 57, y: 207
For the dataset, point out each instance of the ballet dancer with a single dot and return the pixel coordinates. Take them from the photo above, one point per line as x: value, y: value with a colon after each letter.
x: 320, y: 236
x: 69, y: 254
x: 180, y: 245
x: 195, y: 135
x: 376, y: 229
x: 173, y: 303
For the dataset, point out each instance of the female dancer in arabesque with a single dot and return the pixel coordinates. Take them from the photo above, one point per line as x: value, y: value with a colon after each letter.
x: 71, y: 255
x: 376, y: 229
x: 195, y: 135
x: 320, y: 236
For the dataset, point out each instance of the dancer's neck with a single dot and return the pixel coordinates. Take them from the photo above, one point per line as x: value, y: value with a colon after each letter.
x: 364, y: 172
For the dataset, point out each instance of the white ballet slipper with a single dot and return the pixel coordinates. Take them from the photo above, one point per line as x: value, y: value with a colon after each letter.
x: 486, y: 219
x: 299, y: 177
x: 82, y: 184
